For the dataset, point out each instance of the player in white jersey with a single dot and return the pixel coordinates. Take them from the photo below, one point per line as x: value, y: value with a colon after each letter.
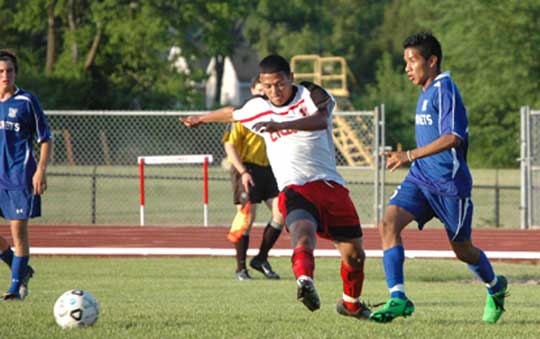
x: 22, y: 181
x: 296, y: 123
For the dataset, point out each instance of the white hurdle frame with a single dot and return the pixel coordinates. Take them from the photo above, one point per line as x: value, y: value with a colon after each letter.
x: 203, y: 159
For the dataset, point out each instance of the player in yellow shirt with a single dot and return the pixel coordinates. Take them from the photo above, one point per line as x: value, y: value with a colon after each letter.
x: 251, y: 173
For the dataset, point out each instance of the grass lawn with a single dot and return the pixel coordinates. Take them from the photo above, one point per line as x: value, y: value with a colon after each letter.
x: 198, y: 298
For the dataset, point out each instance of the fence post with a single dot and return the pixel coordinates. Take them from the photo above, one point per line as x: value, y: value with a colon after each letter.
x: 524, y: 207
x: 497, y: 199
x: 379, y: 170
x: 94, y: 189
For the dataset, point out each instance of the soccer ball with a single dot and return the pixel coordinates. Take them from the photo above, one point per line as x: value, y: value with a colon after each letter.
x: 76, y: 308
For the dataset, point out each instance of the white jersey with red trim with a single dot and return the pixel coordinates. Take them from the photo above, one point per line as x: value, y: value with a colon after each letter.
x: 296, y: 157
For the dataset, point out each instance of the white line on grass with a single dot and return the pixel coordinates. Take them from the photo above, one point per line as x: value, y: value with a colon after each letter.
x: 203, y: 251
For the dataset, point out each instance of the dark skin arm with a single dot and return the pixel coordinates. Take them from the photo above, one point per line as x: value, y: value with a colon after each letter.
x: 398, y: 159
x: 224, y: 114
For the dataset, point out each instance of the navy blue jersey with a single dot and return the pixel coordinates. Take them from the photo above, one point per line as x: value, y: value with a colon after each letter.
x: 440, y: 110
x: 21, y: 118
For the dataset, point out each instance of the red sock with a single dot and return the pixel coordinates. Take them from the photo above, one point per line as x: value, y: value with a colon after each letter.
x: 303, y: 262
x: 353, y: 280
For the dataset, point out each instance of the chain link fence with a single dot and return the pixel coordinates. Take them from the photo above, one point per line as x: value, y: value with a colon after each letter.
x: 93, y: 175
x: 94, y: 179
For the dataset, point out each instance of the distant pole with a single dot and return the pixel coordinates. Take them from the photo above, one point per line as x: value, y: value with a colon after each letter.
x: 205, y: 190
x: 141, y: 189
x: 497, y: 199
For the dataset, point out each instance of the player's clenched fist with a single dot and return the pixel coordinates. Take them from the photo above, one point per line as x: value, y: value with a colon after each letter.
x: 192, y: 121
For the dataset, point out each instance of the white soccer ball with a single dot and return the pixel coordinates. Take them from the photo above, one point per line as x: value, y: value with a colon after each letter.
x: 76, y: 308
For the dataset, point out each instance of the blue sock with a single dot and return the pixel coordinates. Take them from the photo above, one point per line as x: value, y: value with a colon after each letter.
x: 484, y: 272
x: 18, y: 270
x: 7, y: 256
x: 393, y: 260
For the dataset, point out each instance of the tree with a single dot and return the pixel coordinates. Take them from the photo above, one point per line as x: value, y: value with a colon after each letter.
x: 124, y: 45
x: 216, y: 28
x: 494, y: 59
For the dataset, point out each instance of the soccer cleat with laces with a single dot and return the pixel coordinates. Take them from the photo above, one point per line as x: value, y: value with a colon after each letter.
x: 23, y: 289
x: 243, y: 275
x: 264, y: 267
x: 495, y: 303
x: 307, y: 294
x: 395, y: 307
x: 363, y: 313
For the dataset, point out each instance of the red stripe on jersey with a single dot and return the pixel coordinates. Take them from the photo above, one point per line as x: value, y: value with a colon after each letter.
x: 272, y: 112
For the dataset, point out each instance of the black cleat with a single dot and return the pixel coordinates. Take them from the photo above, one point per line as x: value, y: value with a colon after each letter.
x: 264, y: 267
x: 308, y: 295
x: 243, y: 275
x: 363, y: 313
x: 10, y: 297
x: 23, y: 289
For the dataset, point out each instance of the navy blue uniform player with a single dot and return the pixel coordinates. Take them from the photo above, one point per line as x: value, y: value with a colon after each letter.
x: 22, y: 181
x: 438, y: 183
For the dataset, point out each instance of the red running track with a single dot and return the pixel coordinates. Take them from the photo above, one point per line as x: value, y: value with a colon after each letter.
x: 215, y: 237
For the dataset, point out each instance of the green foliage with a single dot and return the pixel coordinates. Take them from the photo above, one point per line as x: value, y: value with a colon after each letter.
x: 328, y: 28
x: 130, y: 68
x: 399, y: 99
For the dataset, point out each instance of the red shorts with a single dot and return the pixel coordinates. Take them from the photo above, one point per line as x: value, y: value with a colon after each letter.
x: 329, y: 203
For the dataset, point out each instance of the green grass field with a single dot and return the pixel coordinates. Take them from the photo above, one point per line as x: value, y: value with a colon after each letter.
x: 198, y: 298
x: 179, y: 201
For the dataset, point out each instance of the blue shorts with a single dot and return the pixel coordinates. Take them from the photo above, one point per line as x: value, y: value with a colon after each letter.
x: 454, y: 212
x: 19, y: 204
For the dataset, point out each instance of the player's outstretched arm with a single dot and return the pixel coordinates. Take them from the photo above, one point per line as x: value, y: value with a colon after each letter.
x: 398, y: 159
x: 224, y: 114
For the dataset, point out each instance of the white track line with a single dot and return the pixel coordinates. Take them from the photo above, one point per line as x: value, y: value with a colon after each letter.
x: 172, y: 251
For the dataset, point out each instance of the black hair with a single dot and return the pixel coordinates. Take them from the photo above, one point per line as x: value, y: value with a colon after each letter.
x: 426, y: 44
x: 7, y: 55
x: 274, y: 64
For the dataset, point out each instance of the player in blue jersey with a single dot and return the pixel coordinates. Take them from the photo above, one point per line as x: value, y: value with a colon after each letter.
x: 22, y: 181
x: 438, y: 183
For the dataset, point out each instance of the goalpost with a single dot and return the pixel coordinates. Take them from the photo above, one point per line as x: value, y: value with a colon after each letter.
x: 203, y: 159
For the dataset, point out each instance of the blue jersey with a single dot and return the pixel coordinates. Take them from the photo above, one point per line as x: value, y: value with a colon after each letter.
x: 440, y: 111
x: 21, y: 118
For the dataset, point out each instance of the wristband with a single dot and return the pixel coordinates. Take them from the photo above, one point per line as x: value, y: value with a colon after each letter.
x: 409, y: 156
x: 241, y: 174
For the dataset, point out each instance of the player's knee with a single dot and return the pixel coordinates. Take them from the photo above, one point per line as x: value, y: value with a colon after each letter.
x: 357, y: 261
x: 303, y: 233
x: 466, y: 253
x: 388, y: 228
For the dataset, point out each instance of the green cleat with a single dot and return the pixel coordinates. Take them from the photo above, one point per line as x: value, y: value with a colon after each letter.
x: 495, y: 303
x: 393, y: 308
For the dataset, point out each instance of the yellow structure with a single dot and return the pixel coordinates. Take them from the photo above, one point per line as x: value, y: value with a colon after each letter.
x: 331, y: 73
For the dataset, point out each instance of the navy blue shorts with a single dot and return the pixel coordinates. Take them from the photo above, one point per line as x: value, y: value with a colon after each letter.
x: 19, y: 204
x: 454, y: 212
